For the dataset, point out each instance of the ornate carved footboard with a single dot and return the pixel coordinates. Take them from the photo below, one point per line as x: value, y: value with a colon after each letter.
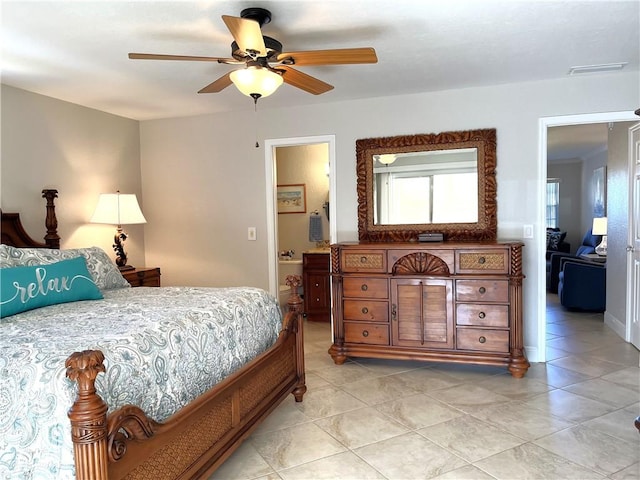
x: 194, y: 441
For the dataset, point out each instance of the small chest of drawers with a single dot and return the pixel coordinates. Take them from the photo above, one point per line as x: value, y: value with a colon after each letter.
x: 316, y: 286
x: 447, y: 302
x: 143, y: 277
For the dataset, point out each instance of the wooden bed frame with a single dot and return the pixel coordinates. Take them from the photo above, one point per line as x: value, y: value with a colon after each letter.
x: 194, y: 441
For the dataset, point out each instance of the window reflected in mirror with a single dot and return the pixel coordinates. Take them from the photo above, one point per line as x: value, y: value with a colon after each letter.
x: 437, y: 186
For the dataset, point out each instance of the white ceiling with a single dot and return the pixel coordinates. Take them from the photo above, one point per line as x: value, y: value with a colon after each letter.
x: 77, y: 51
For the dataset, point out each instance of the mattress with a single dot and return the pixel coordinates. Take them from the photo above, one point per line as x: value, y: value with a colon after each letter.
x: 163, y: 347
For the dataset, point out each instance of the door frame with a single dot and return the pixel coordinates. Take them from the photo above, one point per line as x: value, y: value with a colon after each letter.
x: 633, y: 300
x: 543, y: 124
x: 271, y: 182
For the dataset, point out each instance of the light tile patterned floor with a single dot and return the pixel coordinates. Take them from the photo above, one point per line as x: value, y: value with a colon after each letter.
x: 571, y: 418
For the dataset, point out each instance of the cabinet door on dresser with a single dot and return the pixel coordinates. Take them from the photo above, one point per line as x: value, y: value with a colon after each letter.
x: 422, y: 312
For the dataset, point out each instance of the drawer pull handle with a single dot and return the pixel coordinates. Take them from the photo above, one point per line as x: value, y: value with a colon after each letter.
x: 482, y: 315
x: 363, y: 259
x: 365, y: 333
x: 482, y: 339
x: 365, y: 310
x: 482, y: 290
x: 394, y: 312
x: 481, y: 260
x: 364, y: 287
x: 317, y: 284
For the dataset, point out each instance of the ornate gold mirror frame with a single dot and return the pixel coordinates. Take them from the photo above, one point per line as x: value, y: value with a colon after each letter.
x: 485, y: 229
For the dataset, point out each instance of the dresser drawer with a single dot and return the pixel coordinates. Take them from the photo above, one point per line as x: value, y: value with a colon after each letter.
x: 364, y: 287
x: 366, y: 310
x: 482, y: 291
x: 482, y: 315
x: 364, y: 261
x: 483, y: 340
x: 315, y: 261
x: 369, y: 333
x: 482, y: 261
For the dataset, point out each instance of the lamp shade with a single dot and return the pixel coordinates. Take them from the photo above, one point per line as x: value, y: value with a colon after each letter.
x: 256, y: 81
x: 599, y: 226
x: 118, y: 209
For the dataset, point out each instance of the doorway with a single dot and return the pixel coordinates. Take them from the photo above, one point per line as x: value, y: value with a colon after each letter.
x: 544, y: 124
x: 271, y: 151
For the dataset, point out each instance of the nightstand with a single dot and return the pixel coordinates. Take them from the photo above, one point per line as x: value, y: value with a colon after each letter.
x: 143, y: 277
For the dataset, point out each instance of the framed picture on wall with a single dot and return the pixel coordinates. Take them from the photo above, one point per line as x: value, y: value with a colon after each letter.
x: 600, y: 192
x: 291, y: 198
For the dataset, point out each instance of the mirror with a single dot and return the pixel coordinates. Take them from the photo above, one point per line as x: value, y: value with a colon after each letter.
x: 433, y: 183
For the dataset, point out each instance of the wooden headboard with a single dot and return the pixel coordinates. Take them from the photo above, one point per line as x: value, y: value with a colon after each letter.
x: 13, y: 233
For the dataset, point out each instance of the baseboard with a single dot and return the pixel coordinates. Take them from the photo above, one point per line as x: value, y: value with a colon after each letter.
x: 532, y: 354
x: 616, y: 325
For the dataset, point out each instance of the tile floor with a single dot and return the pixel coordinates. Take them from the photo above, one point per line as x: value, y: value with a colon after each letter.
x: 571, y: 418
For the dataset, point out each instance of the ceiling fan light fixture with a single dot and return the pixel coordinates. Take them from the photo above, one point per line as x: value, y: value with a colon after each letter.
x: 256, y: 81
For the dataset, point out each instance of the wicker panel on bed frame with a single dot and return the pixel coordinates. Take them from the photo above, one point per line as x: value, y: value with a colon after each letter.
x: 193, y: 442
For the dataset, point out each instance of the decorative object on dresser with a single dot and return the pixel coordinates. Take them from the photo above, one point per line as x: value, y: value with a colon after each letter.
x: 444, y: 302
x: 317, y: 290
x: 466, y: 159
x: 143, y: 277
x: 118, y: 209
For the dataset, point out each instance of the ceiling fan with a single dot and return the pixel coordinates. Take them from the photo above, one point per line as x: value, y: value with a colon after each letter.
x: 266, y: 65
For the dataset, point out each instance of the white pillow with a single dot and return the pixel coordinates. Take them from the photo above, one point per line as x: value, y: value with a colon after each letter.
x: 103, y: 270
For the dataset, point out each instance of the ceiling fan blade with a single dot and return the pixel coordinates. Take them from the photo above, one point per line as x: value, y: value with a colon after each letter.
x: 344, y: 56
x: 303, y: 81
x: 154, y: 56
x: 217, y: 86
x: 246, y: 33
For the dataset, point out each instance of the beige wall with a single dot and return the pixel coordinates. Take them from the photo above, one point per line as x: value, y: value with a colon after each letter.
x: 304, y: 164
x: 47, y: 143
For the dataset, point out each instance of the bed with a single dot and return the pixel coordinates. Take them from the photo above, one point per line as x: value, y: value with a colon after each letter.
x: 159, y: 383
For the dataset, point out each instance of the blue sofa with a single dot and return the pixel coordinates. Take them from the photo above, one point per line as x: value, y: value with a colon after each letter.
x: 588, y: 245
x: 582, y: 285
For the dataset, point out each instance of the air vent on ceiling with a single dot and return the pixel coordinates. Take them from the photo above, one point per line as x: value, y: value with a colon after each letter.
x: 600, y: 68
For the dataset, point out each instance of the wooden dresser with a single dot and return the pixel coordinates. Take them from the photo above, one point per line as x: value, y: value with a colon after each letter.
x: 316, y: 286
x: 444, y: 302
x: 143, y: 277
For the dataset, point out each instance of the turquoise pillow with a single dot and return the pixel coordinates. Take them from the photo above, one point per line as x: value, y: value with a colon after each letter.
x: 26, y: 288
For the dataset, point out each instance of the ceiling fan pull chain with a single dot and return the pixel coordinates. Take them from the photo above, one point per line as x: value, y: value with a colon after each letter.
x: 255, y: 97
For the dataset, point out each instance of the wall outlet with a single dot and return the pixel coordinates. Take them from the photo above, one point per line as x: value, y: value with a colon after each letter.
x: 251, y: 233
x: 527, y: 231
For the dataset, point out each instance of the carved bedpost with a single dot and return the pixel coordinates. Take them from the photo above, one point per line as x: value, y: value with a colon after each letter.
x: 295, y: 307
x: 88, y: 416
x: 52, y: 239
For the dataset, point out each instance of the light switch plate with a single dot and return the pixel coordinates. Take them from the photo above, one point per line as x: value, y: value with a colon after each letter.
x: 527, y: 231
x: 251, y: 233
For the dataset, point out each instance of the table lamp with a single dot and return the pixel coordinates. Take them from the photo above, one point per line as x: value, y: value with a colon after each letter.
x: 600, y: 228
x: 118, y: 209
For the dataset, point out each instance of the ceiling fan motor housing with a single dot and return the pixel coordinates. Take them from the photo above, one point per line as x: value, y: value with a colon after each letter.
x: 260, y: 15
x: 273, y: 46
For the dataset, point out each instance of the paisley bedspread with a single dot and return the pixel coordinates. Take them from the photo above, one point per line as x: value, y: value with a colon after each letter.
x: 163, y: 347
